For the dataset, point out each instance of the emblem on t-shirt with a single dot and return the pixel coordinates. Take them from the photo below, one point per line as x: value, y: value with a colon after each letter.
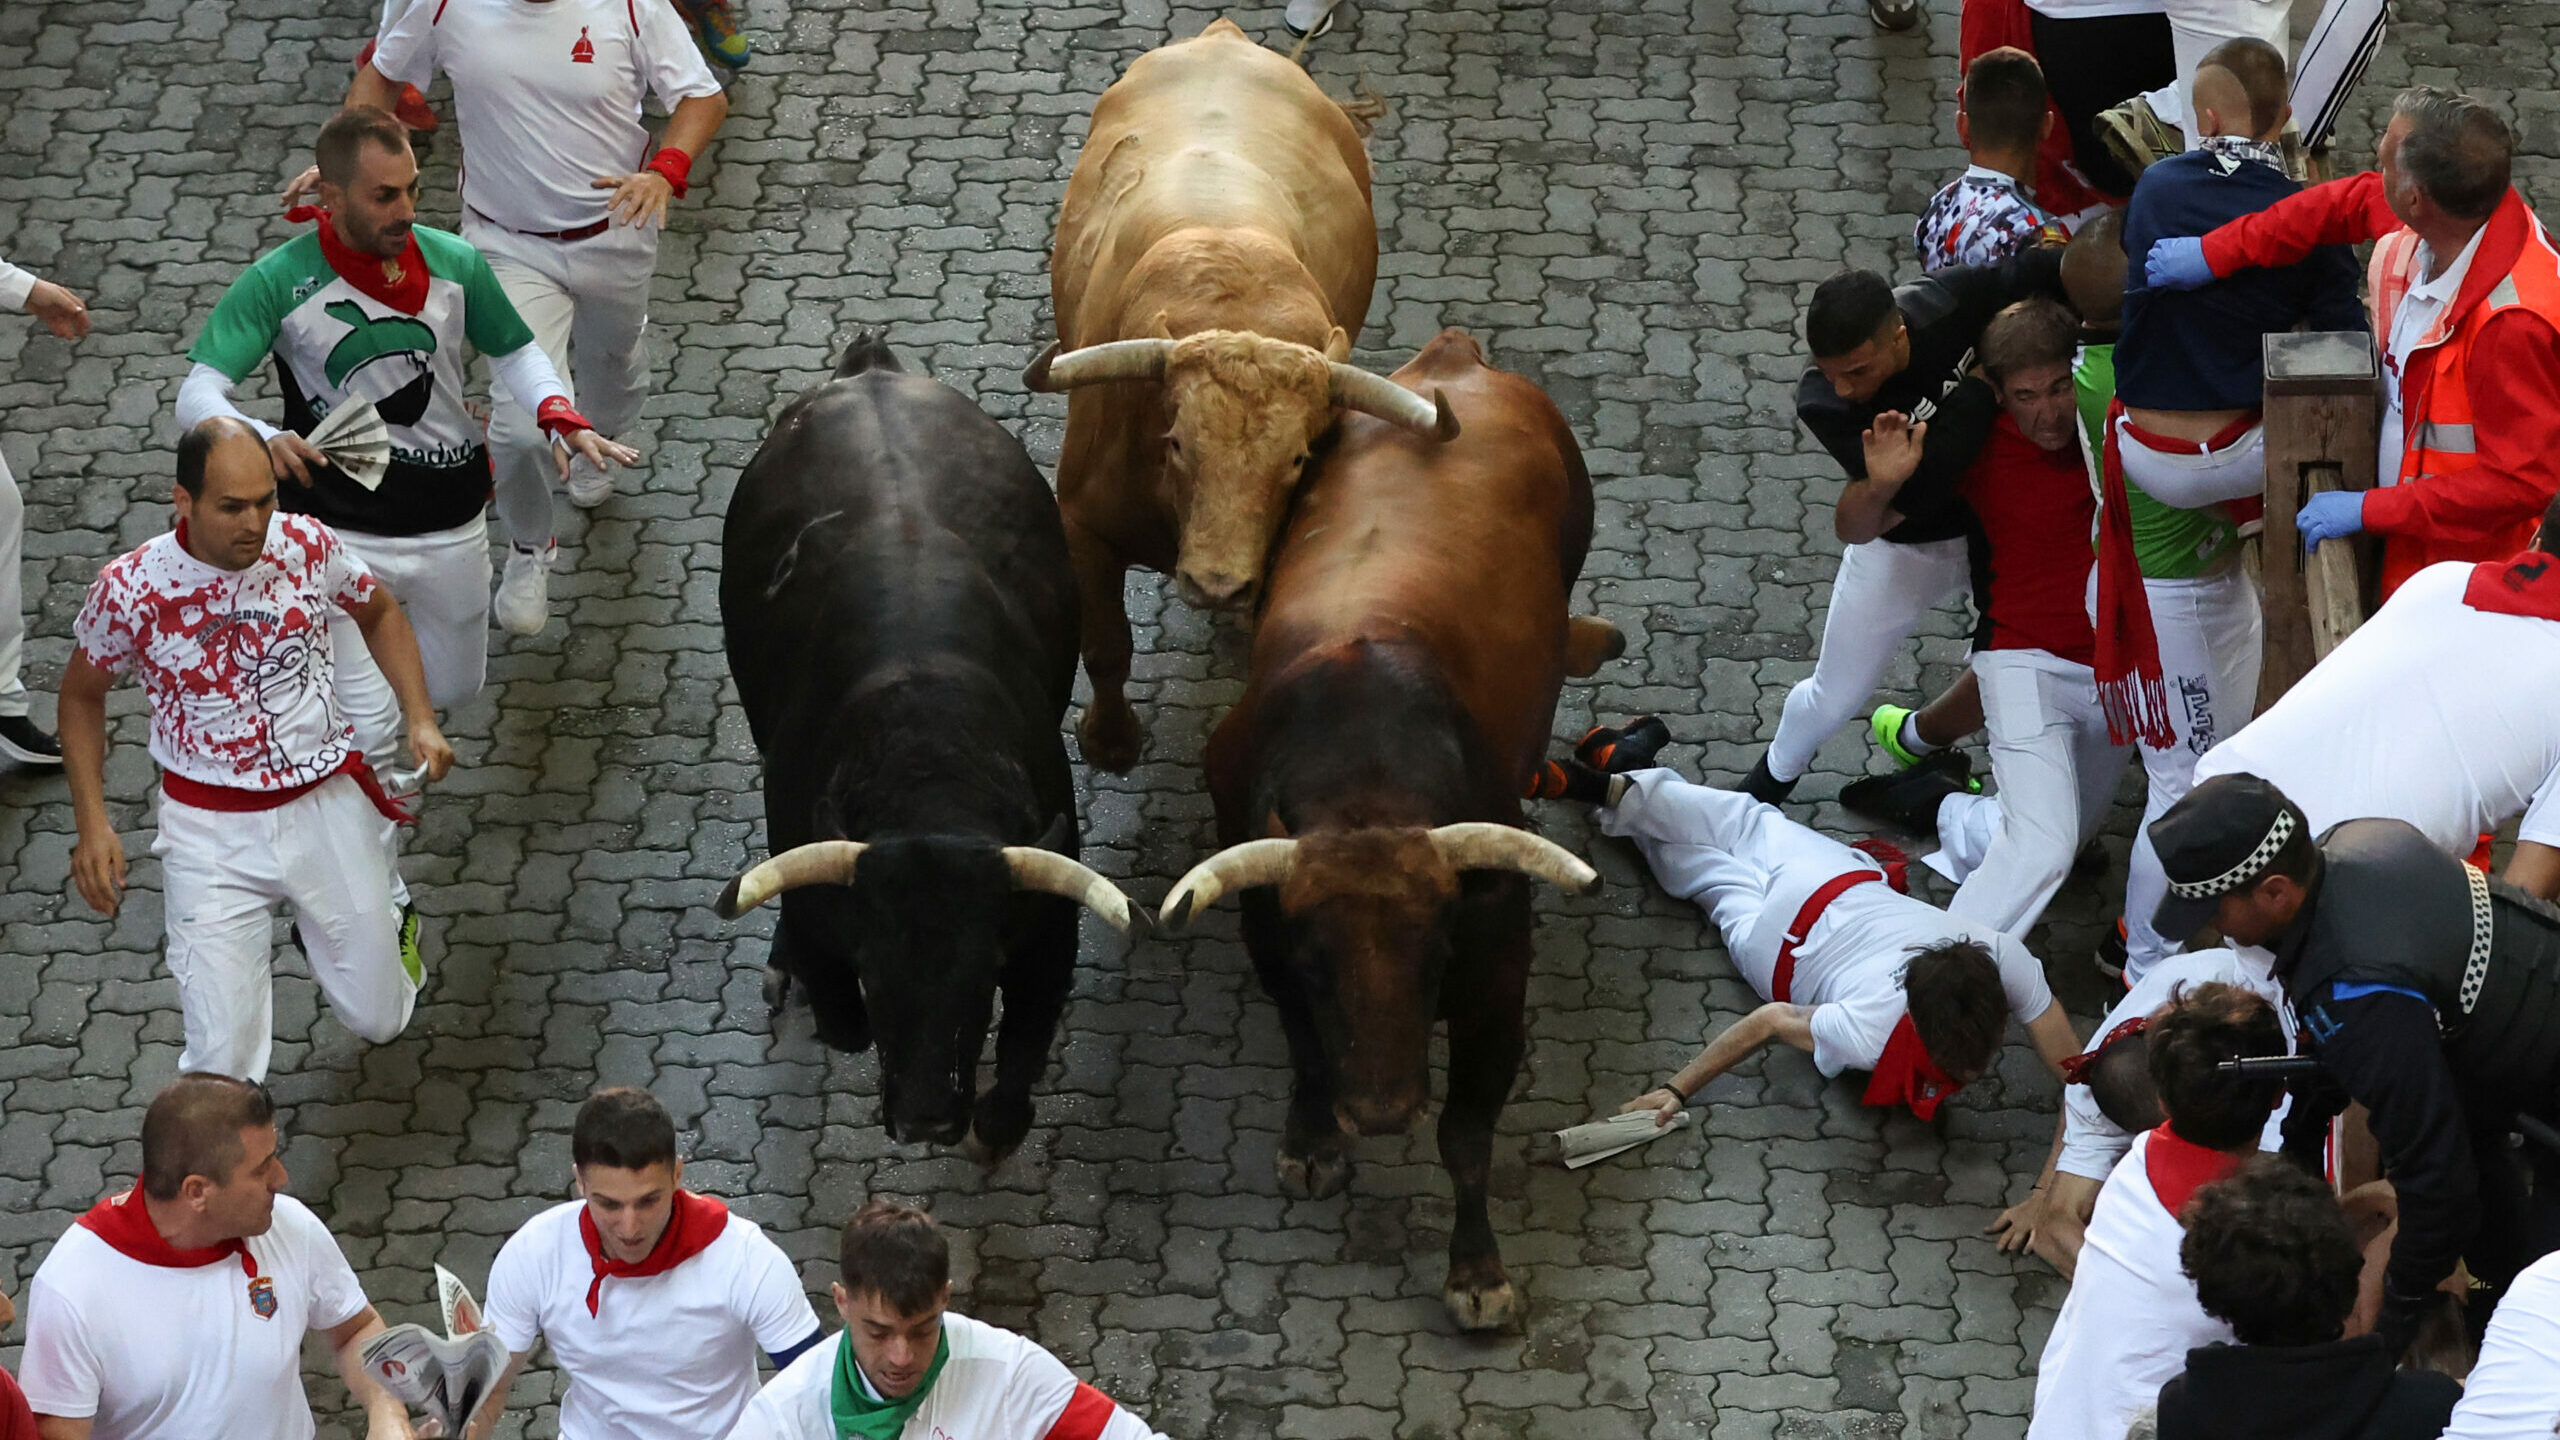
x: 262, y: 1297
x: 584, y: 52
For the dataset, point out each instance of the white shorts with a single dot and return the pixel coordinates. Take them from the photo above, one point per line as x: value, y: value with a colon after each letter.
x: 224, y: 872
x: 441, y: 580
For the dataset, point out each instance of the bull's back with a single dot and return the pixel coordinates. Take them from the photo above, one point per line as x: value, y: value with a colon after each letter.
x: 1216, y: 133
x: 1469, y: 548
x: 888, y: 522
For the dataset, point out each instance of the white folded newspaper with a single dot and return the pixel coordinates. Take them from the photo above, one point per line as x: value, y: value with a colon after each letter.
x: 1588, y: 1144
x: 356, y: 440
x: 442, y: 1377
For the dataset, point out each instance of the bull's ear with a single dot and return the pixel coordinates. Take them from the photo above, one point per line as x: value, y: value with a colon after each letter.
x: 1162, y: 326
x: 1061, y: 835
x: 1337, y: 346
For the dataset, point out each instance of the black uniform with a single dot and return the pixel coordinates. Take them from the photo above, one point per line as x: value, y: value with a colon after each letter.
x: 1944, y: 312
x: 2431, y: 994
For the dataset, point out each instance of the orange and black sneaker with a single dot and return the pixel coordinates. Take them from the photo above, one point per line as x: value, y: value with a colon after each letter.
x: 1632, y: 746
x: 1568, y: 780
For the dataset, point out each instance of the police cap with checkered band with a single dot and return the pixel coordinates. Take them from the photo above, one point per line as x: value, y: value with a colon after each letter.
x: 2217, y: 840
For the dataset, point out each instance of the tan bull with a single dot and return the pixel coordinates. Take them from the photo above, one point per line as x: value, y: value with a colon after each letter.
x: 1214, y: 260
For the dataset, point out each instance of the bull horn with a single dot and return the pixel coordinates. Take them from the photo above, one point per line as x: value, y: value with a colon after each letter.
x: 1483, y: 845
x: 1357, y: 389
x: 1095, y: 364
x: 824, y: 862
x: 1051, y: 873
x: 1238, y: 867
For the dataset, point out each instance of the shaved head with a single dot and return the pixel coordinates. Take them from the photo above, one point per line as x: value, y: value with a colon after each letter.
x: 2244, y: 83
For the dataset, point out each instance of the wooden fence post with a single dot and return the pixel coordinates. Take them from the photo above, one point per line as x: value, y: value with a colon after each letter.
x: 2323, y: 416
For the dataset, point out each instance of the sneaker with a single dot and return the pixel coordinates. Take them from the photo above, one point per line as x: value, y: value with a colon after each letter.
x: 721, y: 37
x: 412, y: 964
x: 524, y: 593
x: 1885, y: 728
x: 1631, y: 746
x: 1908, y: 801
x: 2135, y: 135
x: 1309, y: 19
x: 2109, y: 957
x: 1764, y: 787
x: 589, y: 484
x: 1894, y: 14
x: 1568, y: 780
x: 22, y: 740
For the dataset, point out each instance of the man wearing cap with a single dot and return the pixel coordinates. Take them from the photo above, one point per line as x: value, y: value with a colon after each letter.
x: 1854, y: 971
x: 2435, y: 711
x: 2429, y: 993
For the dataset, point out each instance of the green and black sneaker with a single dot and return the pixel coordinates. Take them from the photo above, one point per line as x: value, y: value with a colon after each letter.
x: 411, y: 963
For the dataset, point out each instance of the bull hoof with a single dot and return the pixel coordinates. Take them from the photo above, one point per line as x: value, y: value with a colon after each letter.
x: 777, y: 989
x: 1479, y: 1295
x: 1318, y: 1175
x: 997, y: 1127
x: 1110, y: 737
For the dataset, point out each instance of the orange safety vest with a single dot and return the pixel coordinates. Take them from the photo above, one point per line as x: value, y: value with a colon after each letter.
x: 2435, y: 391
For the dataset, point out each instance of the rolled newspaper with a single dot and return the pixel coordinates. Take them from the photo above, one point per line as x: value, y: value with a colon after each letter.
x: 1588, y: 1144
x: 441, y: 1377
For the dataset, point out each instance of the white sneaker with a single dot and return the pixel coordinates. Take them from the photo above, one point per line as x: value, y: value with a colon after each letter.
x: 524, y: 593
x: 589, y: 484
x: 1309, y: 17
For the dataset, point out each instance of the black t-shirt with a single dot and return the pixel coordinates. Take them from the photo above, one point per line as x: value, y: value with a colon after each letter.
x: 1945, y: 312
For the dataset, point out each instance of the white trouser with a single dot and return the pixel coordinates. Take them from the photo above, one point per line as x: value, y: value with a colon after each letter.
x: 1882, y: 590
x: 2056, y: 771
x: 1746, y: 864
x: 13, y: 592
x: 222, y: 875
x: 2211, y: 637
x: 587, y: 302
x: 441, y: 580
x: 2195, y: 27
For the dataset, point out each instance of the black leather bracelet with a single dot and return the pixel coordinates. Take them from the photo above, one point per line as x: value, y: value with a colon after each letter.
x: 1672, y: 1084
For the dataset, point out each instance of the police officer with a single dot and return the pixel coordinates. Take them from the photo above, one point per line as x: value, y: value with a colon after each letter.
x: 2428, y: 992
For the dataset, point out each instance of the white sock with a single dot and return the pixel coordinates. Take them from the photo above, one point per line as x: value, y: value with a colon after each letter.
x: 1909, y: 735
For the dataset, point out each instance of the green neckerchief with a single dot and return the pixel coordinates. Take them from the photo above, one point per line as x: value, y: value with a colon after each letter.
x: 857, y: 1414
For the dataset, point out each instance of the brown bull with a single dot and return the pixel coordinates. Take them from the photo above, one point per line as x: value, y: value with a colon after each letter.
x: 1214, y: 260
x: 1403, y: 687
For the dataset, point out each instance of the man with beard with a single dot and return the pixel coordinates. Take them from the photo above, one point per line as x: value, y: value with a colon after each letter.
x: 372, y: 307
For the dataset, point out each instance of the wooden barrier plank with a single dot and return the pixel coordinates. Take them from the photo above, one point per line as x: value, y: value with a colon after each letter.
x: 2323, y: 413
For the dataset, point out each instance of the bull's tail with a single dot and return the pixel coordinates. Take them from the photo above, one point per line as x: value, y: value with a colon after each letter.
x: 1368, y: 109
x: 868, y: 350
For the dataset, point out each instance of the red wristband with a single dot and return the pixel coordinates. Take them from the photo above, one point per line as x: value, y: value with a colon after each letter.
x: 675, y: 165
x: 558, y: 418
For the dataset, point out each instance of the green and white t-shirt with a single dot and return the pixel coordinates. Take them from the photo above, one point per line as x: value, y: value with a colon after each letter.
x: 334, y: 341
x: 2169, y: 543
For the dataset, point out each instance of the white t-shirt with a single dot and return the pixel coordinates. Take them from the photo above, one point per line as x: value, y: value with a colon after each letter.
x: 2130, y: 1319
x: 670, y: 1355
x: 2092, y: 1143
x: 2431, y: 712
x: 2513, y: 1392
x: 1849, y: 970
x: 2411, y: 320
x: 236, y: 663
x: 995, y: 1386
x: 547, y: 96
x: 153, y: 1353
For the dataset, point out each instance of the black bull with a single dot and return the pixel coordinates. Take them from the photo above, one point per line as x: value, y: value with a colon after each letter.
x: 901, y: 618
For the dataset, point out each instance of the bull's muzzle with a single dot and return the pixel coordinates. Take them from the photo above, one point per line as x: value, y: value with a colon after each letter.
x: 1215, y: 589
x: 1392, y: 1113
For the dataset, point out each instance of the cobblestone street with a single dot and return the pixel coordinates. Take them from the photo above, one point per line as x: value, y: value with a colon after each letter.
x: 1626, y: 199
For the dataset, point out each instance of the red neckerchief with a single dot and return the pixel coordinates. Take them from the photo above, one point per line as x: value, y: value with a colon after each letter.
x: 124, y: 1224
x: 371, y: 275
x: 2075, y: 1070
x: 2130, y: 687
x: 696, y: 1221
x: 2527, y: 585
x: 2178, y: 1167
x: 1905, y: 1075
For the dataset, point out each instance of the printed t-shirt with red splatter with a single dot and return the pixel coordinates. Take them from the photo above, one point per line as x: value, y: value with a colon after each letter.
x: 236, y: 663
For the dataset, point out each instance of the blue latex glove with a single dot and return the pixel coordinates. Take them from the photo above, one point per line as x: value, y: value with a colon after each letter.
x: 2177, y: 263
x: 2329, y: 515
